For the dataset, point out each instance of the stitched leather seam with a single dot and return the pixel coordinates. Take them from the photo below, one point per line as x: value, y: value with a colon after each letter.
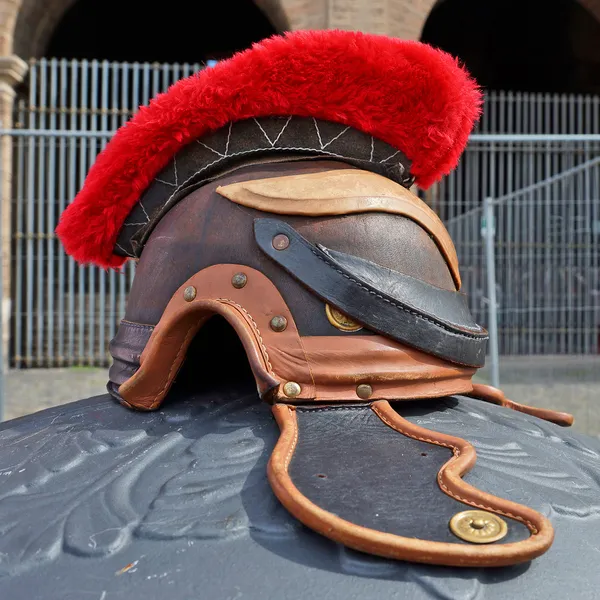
x: 394, y: 304
x: 253, y: 323
x: 191, y: 333
x: 136, y: 325
x: 288, y: 458
x: 306, y: 409
x: 456, y: 453
x: 312, y: 378
x: 254, y: 150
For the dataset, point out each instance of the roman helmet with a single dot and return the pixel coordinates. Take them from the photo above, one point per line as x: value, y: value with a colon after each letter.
x: 269, y: 203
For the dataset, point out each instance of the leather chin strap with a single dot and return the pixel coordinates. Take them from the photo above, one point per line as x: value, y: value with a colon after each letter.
x: 409, y: 317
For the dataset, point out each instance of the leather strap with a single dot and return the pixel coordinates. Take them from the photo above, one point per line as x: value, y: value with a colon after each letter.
x: 313, y: 472
x: 493, y: 395
x: 460, y: 344
x: 446, y: 305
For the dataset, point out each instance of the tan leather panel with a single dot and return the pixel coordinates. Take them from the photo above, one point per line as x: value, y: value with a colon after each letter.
x: 342, y: 192
x: 395, y: 372
x: 403, y: 548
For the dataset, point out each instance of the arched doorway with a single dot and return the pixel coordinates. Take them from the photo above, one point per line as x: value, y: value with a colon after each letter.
x: 521, y: 45
x: 176, y: 31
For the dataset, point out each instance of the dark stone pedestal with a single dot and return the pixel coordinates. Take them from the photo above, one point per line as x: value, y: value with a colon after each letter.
x: 101, y: 503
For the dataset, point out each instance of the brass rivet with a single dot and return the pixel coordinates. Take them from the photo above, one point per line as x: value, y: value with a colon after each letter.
x: 364, y: 391
x: 278, y: 323
x: 340, y: 320
x: 189, y: 293
x: 478, y: 526
x: 281, y: 242
x: 239, y: 280
x: 291, y: 389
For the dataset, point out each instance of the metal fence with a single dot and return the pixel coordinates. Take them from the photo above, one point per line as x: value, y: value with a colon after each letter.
x: 544, y: 260
x: 64, y: 314
x: 547, y: 238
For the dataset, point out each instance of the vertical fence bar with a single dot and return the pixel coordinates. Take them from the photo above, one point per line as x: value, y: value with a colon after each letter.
x: 490, y: 266
x: 72, y: 190
x: 19, y: 242
x: 41, y: 196
x: 33, y: 75
x: 111, y: 276
x: 62, y: 204
x: 50, y: 202
x: 3, y: 139
x: 83, y: 145
x: 94, y: 319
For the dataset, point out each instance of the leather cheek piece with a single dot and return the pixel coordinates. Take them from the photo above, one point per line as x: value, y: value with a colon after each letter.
x: 367, y: 478
x: 323, y: 367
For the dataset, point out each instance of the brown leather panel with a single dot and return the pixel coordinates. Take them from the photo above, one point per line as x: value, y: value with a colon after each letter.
x: 166, y: 349
x: 341, y: 192
x: 326, y: 367
x: 274, y: 356
x: 394, y: 371
x: 496, y: 396
x: 398, y: 547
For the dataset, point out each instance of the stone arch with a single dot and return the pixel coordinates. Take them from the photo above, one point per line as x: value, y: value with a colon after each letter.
x: 592, y: 6
x: 518, y: 46
x: 26, y: 25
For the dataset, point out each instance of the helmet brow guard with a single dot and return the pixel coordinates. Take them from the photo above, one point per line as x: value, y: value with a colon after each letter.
x: 273, y: 191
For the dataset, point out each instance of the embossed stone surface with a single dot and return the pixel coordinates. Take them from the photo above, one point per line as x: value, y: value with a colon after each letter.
x: 100, y: 502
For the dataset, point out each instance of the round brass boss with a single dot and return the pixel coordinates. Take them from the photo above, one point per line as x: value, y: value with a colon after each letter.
x: 281, y: 242
x: 478, y: 526
x: 189, y: 293
x: 239, y: 280
x: 292, y: 389
x: 340, y: 320
x: 278, y: 323
x: 364, y: 391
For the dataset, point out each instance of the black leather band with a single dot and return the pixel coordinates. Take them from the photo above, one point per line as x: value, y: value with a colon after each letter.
x: 409, y: 323
x: 445, y: 305
x: 126, y: 348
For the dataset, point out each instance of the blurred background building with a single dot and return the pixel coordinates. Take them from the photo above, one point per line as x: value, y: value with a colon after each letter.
x: 72, y: 71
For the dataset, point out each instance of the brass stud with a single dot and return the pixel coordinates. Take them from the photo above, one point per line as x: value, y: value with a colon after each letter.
x: 478, y: 526
x: 239, y: 280
x: 340, y: 320
x: 278, y: 323
x: 364, y: 391
x: 291, y: 389
x: 189, y: 293
x: 281, y: 242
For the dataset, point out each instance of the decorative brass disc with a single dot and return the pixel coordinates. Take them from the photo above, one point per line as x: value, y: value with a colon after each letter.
x: 189, y: 293
x: 292, y: 389
x: 340, y: 320
x: 478, y: 526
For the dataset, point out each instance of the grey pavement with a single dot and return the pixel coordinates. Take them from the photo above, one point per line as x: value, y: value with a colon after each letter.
x: 567, y: 383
